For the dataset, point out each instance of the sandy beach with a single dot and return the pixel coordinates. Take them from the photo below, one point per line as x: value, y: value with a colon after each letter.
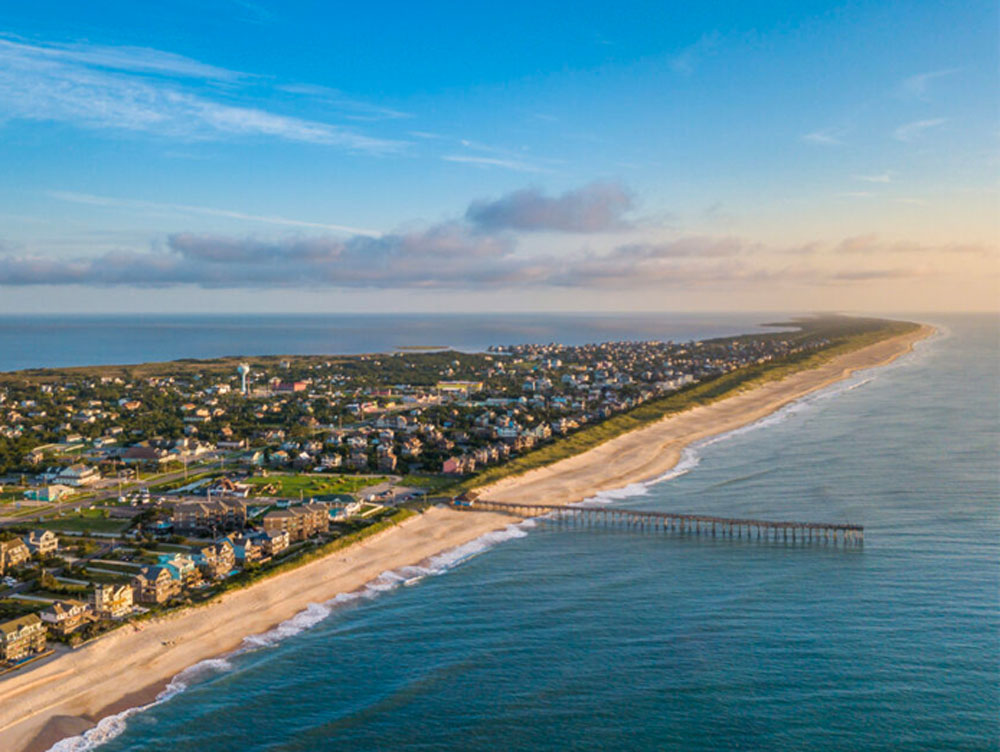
x: 129, y: 667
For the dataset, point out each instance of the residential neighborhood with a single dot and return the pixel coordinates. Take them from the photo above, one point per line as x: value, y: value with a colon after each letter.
x: 127, y: 491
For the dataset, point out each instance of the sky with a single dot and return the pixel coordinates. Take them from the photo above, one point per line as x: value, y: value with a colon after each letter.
x: 238, y: 156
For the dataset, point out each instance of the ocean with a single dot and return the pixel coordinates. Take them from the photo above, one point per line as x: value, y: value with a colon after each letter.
x: 547, y: 637
x: 38, y: 341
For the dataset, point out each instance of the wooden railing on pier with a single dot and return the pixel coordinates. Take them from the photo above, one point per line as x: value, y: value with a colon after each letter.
x: 689, y: 524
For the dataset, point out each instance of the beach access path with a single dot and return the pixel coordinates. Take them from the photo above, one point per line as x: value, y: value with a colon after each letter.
x: 128, y: 668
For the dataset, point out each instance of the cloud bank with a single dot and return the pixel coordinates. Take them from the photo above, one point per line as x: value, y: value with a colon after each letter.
x: 483, y: 251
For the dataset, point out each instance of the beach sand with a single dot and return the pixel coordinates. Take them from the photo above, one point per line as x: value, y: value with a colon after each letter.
x: 129, y: 668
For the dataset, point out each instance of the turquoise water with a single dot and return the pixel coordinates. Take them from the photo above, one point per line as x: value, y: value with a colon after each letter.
x: 567, y: 639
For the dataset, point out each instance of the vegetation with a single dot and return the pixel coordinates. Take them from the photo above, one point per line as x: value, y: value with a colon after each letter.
x: 85, y: 522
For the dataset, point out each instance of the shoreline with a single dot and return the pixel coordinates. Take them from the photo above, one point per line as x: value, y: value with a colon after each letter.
x: 36, y: 711
x: 649, y: 452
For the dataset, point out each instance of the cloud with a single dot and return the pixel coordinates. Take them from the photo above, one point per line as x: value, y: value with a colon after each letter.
x: 915, y: 87
x: 153, y: 206
x: 598, y: 207
x: 884, y: 177
x: 123, y: 58
x: 912, y: 131
x: 479, y: 251
x: 824, y: 137
x: 353, y: 109
x: 688, y: 59
x: 872, y: 245
x: 508, y: 164
x: 106, y: 88
x: 865, y: 275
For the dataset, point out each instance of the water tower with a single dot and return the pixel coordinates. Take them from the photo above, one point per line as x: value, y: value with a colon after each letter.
x: 243, y: 371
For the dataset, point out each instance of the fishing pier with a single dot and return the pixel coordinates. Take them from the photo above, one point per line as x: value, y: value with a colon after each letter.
x: 683, y: 524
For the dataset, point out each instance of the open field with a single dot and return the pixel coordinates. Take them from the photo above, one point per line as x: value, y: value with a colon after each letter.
x: 292, y: 486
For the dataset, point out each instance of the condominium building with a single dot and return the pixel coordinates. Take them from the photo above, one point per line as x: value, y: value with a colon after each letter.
x: 299, y: 522
x: 194, y: 517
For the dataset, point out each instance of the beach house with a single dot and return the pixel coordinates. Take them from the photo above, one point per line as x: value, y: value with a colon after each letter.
x: 110, y: 601
x: 42, y: 542
x: 12, y: 553
x: 155, y: 584
x: 217, y: 560
x: 66, y: 616
x: 21, y: 637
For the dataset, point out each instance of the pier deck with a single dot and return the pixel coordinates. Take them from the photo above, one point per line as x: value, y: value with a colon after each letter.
x: 692, y: 524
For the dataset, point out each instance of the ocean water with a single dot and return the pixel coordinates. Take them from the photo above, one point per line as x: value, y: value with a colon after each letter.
x: 52, y: 341
x: 545, y: 637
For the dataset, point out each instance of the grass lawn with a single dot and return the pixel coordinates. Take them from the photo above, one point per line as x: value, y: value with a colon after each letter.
x: 90, y: 521
x: 291, y: 486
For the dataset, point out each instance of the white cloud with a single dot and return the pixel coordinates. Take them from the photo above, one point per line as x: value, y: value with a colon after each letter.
x: 824, y: 137
x: 77, y: 86
x: 916, y: 86
x: 883, y: 177
x: 481, y: 161
x: 92, y: 200
x: 910, y: 132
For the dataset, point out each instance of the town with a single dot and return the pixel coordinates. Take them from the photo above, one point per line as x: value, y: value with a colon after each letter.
x: 130, y: 490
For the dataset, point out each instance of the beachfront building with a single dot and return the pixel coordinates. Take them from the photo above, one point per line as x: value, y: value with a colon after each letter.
x: 217, y: 560
x: 42, y: 542
x: 109, y: 601
x: 155, y: 584
x: 273, y: 543
x: 21, y: 637
x: 12, y: 553
x: 247, y: 549
x: 66, y: 616
x: 199, y: 517
x: 181, y: 567
x: 299, y: 522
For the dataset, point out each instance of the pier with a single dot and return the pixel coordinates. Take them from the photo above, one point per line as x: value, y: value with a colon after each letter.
x: 685, y: 524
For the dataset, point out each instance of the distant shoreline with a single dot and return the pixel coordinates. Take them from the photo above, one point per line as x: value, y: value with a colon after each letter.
x: 129, y: 667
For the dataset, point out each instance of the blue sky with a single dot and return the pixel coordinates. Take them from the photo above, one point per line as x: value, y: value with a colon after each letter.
x: 230, y: 155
